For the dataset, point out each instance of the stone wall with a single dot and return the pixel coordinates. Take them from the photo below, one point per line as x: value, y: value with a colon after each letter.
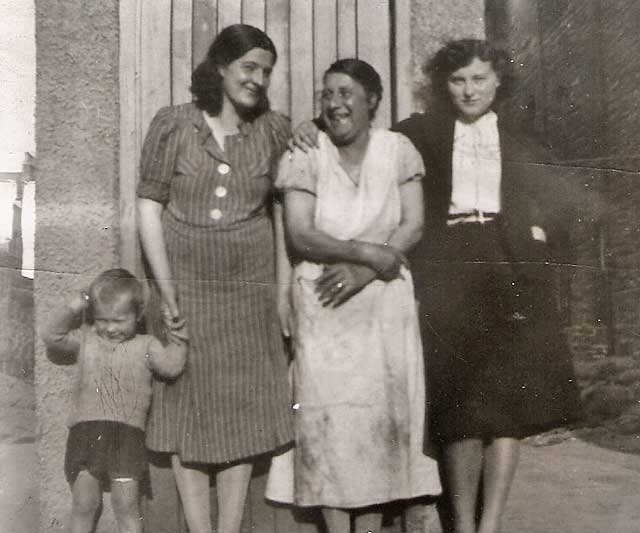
x: 434, y: 23
x: 577, y: 73
x: 77, y: 135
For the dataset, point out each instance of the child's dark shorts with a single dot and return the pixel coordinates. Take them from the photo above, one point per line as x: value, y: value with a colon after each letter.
x: 107, y: 450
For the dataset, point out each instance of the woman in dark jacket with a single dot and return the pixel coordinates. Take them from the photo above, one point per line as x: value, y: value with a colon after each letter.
x: 496, y: 216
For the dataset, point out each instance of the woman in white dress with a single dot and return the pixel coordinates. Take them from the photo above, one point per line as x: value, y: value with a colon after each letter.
x: 353, y: 206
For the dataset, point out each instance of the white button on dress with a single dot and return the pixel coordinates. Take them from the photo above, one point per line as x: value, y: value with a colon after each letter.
x: 221, y: 191
x: 223, y: 168
x: 215, y: 214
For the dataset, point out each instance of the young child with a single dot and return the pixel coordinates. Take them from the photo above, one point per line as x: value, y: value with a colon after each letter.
x: 99, y: 330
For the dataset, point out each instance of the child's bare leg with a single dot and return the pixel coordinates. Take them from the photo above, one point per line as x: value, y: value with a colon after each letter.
x: 87, y: 500
x: 336, y: 520
x: 232, y: 484
x: 126, y: 505
x: 193, y: 486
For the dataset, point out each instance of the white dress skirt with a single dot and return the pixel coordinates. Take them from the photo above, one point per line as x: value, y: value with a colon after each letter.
x: 358, y: 371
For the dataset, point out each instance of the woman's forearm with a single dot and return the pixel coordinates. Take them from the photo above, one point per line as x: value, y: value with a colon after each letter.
x: 153, y: 244
x: 411, y: 227
x: 315, y: 245
x: 405, y: 237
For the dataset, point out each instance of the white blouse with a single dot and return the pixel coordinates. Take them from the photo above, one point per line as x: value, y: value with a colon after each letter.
x: 476, y: 166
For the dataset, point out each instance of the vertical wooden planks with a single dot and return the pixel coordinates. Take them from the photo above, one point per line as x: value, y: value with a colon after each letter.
x: 403, y: 98
x: 155, y: 68
x: 277, y: 27
x: 229, y: 12
x: 181, y: 50
x: 204, y: 28
x: 347, y: 30
x: 129, y: 132
x: 325, y: 43
x: 253, y: 13
x: 302, y: 58
x: 162, y: 41
x: 373, y: 23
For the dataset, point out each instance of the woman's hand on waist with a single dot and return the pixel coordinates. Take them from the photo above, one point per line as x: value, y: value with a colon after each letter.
x: 340, y: 281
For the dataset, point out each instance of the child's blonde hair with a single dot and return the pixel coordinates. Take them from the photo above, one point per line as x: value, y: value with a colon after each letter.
x: 111, y: 285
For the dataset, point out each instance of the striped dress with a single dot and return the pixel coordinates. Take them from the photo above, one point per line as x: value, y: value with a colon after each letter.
x: 233, y: 400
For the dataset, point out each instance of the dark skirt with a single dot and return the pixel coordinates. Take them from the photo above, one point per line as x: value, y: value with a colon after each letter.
x: 107, y: 450
x: 497, y: 361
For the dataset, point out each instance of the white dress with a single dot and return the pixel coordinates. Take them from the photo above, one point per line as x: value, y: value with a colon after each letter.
x: 358, y: 371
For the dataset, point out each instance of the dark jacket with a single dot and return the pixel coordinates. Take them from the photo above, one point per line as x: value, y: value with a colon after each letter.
x: 535, y: 191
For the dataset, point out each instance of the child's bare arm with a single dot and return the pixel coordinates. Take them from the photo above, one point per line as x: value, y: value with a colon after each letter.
x: 169, y: 361
x: 59, y: 335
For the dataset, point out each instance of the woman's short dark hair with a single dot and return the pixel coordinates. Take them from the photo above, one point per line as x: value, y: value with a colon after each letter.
x: 364, y: 74
x: 113, y: 284
x: 230, y: 44
x: 457, y: 54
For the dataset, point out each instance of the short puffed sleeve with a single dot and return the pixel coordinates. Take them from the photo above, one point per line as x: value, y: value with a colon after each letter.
x: 411, y: 166
x: 280, y: 130
x: 159, y: 156
x: 297, y: 171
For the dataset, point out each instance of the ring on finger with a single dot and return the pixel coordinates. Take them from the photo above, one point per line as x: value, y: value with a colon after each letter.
x: 339, y: 285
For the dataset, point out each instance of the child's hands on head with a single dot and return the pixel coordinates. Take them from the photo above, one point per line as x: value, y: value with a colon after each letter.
x: 79, y: 302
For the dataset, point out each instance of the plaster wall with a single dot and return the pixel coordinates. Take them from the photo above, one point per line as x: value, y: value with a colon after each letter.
x: 433, y: 24
x: 77, y: 129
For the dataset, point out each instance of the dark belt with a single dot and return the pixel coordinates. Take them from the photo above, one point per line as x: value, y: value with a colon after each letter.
x: 471, y: 217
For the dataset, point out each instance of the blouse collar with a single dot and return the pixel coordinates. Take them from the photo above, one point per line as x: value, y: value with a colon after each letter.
x: 485, y: 125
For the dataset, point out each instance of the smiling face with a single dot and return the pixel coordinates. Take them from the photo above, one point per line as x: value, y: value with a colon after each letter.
x: 115, y: 320
x: 246, y: 80
x: 346, y: 108
x: 473, y: 89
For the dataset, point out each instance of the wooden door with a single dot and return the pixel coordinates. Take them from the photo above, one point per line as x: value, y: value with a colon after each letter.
x: 163, y: 40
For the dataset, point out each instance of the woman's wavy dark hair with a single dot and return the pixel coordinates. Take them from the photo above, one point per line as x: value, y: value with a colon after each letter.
x: 230, y: 44
x: 364, y: 74
x: 457, y: 54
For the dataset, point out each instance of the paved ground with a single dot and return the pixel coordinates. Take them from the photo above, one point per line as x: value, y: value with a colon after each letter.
x: 570, y: 487
x: 579, y: 482
x: 575, y: 487
x: 18, y: 494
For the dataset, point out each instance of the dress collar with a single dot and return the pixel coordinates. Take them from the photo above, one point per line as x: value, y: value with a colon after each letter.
x: 204, y: 132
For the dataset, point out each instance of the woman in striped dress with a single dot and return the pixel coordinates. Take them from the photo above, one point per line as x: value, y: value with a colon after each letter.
x: 206, y: 229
